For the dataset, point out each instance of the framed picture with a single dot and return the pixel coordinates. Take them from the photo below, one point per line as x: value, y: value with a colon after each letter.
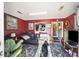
x: 40, y: 27
x: 11, y: 22
x: 30, y: 26
x: 55, y: 29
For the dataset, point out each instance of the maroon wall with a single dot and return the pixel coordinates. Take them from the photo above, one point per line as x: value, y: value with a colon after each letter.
x: 70, y: 22
x: 21, y: 28
x: 69, y: 26
x: 23, y: 25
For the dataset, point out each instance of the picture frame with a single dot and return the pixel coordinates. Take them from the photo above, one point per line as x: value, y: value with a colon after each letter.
x: 40, y: 27
x: 11, y: 23
x: 30, y: 26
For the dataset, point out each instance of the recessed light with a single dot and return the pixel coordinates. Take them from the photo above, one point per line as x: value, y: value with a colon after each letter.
x: 38, y: 13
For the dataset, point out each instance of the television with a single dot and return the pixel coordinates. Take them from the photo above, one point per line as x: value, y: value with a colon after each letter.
x: 73, y: 37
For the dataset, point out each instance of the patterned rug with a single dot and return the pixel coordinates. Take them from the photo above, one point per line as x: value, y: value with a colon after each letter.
x: 57, y: 50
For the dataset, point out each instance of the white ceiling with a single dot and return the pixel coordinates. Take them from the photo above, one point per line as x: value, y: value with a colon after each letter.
x: 52, y: 9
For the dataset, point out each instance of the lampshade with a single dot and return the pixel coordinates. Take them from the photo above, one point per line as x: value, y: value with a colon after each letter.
x: 13, y: 34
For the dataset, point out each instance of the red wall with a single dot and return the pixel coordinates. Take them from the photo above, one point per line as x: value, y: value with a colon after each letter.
x: 69, y: 18
x: 71, y: 22
x: 21, y: 28
x: 23, y: 25
x: 34, y: 21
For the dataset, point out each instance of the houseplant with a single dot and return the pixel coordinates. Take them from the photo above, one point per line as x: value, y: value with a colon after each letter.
x: 12, y: 49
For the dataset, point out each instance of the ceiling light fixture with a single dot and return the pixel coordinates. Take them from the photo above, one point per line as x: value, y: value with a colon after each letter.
x: 19, y: 12
x: 61, y: 7
x: 38, y: 13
